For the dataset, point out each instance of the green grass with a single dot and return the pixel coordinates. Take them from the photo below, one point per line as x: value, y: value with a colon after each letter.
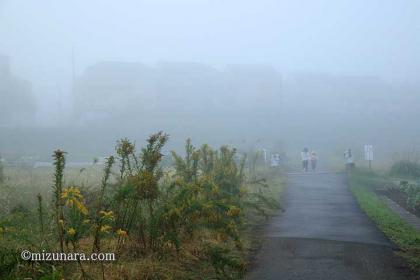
x: 398, y: 231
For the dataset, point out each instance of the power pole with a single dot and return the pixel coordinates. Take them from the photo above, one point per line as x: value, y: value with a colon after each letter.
x: 73, y: 86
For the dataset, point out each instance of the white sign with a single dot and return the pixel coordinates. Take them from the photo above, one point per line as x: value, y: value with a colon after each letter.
x: 369, y: 152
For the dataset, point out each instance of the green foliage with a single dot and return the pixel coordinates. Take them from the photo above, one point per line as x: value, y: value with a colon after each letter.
x: 225, y: 264
x: 402, y: 234
x: 211, y: 192
x: 9, y: 260
x: 137, y: 193
x: 59, y: 163
x: 17, y: 232
x: 1, y: 171
x: 54, y: 275
x: 187, y: 168
x: 126, y: 152
x: 41, y: 217
x: 12, y: 267
x: 413, y: 194
x: 102, y: 204
x: 405, y: 168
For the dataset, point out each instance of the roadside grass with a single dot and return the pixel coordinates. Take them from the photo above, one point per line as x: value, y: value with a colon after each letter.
x: 251, y: 233
x: 363, y: 184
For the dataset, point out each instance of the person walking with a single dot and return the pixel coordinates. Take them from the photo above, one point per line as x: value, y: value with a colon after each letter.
x: 349, y: 159
x: 314, y: 160
x: 305, y: 159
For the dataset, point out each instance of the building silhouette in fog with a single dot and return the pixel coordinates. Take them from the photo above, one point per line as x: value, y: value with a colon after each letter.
x: 121, y: 91
x: 113, y: 90
x: 18, y: 106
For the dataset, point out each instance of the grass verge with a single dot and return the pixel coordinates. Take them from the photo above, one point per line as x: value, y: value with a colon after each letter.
x: 363, y: 184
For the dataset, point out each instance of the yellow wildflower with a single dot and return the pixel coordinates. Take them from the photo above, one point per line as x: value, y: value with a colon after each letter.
x: 232, y: 227
x: 73, y: 197
x: 121, y: 233
x: 208, y: 206
x: 109, y: 214
x: 243, y: 190
x: 86, y: 221
x: 233, y: 211
x: 105, y: 228
x: 70, y: 202
x: 82, y: 208
x: 71, y: 192
x: 71, y: 231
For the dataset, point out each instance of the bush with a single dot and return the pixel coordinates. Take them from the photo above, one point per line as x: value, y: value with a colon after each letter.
x: 405, y: 168
x: 199, y: 206
x: 1, y: 171
x: 413, y: 194
x: 9, y: 260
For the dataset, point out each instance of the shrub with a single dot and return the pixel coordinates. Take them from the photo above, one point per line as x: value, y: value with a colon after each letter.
x: 9, y: 260
x: 202, y: 201
x: 1, y: 171
x: 405, y: 168
x: 413, y: 194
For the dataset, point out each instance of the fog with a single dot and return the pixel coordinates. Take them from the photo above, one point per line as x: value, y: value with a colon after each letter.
x: 278, y: 75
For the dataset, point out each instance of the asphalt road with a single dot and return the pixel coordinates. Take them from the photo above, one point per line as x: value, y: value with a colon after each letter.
x: 323, y: 234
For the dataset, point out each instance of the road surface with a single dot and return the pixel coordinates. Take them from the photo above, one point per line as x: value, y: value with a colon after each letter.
x: 323, y: 234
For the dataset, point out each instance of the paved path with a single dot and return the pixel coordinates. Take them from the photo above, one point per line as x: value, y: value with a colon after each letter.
x: 323, y: 234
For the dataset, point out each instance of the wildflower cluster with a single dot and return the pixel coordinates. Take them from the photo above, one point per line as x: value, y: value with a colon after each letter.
x: 201, y: 199
x: 73, y: 198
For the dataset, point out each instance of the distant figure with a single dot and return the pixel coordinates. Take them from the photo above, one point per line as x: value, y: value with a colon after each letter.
x: 314, y: 160
x: 349, y: 159
x: 275, y: 160
x: 305, y: 159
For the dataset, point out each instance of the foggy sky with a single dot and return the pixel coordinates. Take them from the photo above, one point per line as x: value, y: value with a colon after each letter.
x: 350, y: 66
x: 376, y: 38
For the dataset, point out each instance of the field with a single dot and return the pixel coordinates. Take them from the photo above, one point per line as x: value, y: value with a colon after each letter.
x: 165, y: 217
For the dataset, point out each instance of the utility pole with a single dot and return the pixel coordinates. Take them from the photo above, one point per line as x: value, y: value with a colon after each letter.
x: 73, y: 86
x: 73, y: 66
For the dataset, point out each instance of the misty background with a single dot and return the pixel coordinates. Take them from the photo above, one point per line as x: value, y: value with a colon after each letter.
x: 78, y: 75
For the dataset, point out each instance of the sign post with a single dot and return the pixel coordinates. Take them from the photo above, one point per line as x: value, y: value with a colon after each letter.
x: 275, y: 160
x: 369, y: 154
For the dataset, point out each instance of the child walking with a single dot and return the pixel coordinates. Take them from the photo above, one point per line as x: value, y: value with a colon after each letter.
x: 305, y: 159
x: 314, y: 160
